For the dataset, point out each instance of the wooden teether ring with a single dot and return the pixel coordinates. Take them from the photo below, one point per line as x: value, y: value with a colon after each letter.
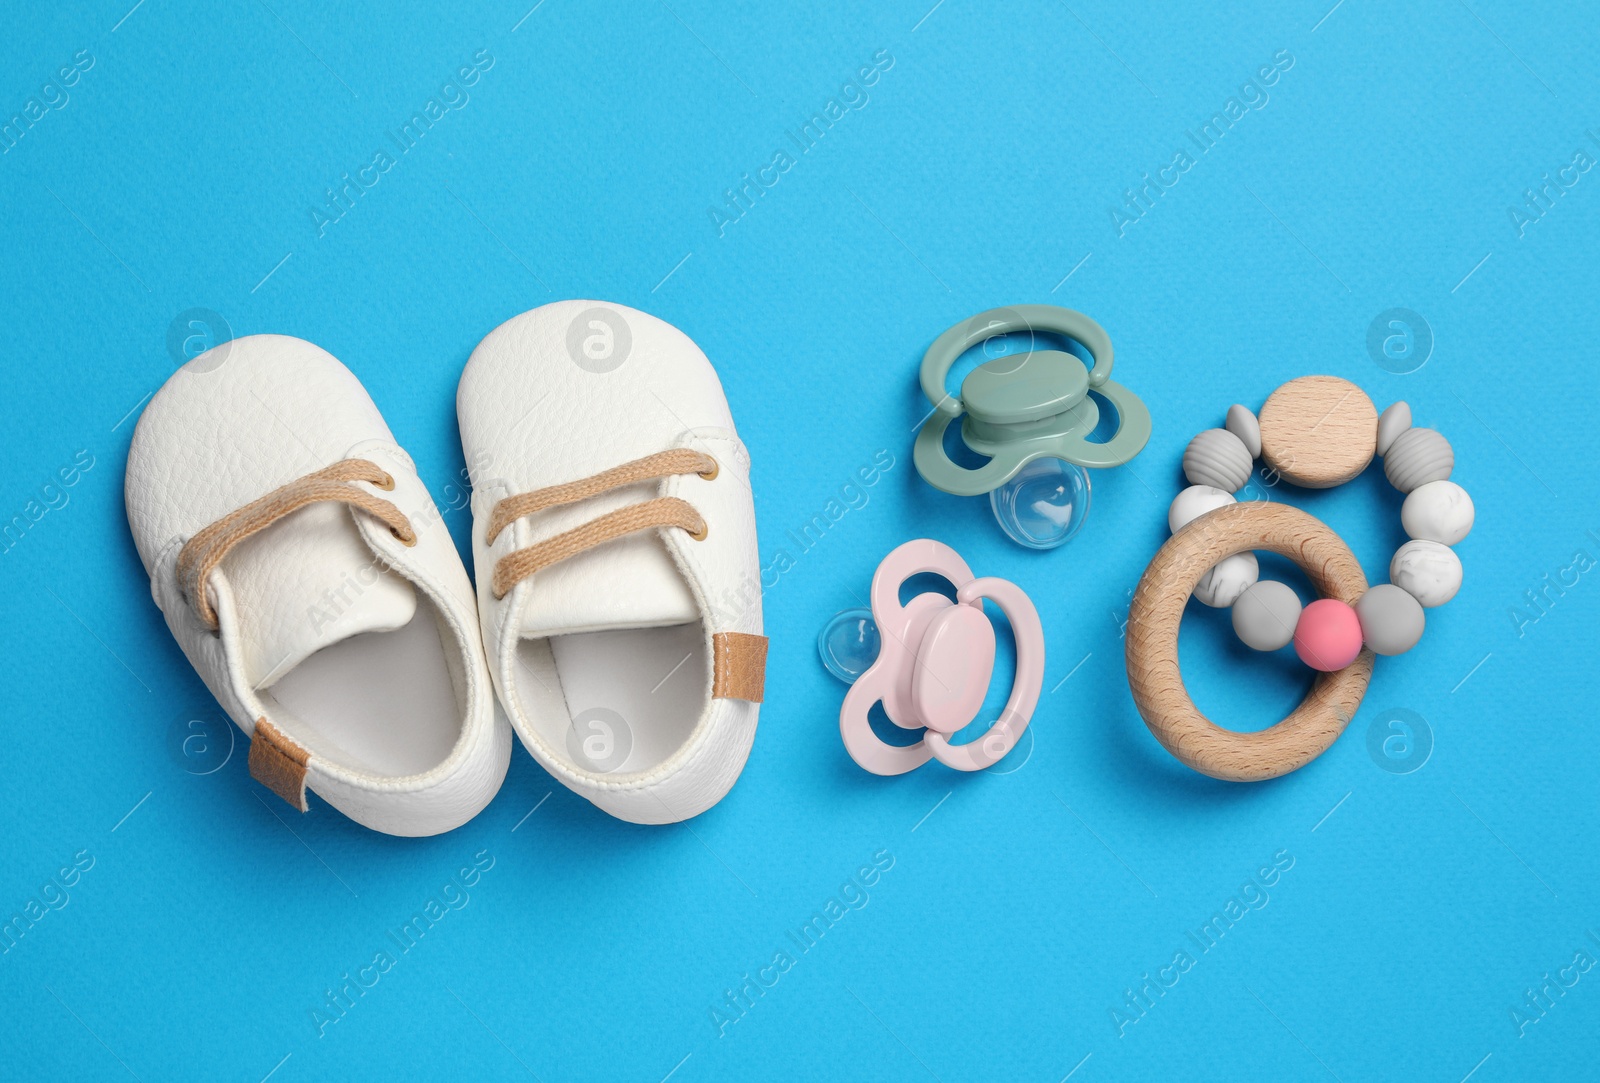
x: 1152, y: 650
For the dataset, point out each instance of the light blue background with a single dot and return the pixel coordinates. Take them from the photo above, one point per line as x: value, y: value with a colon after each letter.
x: 1020, y: 905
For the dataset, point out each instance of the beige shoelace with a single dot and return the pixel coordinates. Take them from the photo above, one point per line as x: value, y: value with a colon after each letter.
x: 665, y: 511
x: 202, y: 553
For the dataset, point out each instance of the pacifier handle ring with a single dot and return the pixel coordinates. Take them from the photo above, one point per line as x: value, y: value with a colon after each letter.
x: 941, y: 356
x: 1002, y: 737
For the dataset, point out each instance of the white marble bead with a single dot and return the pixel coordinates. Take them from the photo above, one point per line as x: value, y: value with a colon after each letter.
x: 1243, y: 424
x: 1391, y: 423
x: 1218, y: 458
x: 1439, y: 511
x: 1194, y: 502
x: 1426, y: 570
x: 1230, y: 577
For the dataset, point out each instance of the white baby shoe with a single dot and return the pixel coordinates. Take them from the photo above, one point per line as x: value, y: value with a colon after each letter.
x: 305, y: 571
x: 615, y: 549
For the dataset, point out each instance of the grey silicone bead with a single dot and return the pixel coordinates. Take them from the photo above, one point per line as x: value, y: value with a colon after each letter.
x: 1391, y: 619
x: 1243, y: 424
x: 1391, y: 423
x: 1265, y: 615
x: 1417, y: 457
x: 1218, y: 458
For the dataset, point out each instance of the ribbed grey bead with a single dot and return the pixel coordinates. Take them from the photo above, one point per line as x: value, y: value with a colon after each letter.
x: 1391, y: 619
x: 1417, y: 457
x: 1218, y: 458
x: 1243, y: 424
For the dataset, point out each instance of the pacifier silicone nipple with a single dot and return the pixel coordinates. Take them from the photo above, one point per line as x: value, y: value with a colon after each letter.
x: 849, y: 644
x: 1044, y: 505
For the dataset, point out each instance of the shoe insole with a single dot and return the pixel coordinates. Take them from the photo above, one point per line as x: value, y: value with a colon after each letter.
x: 382, y: 702
x: 633, y: 695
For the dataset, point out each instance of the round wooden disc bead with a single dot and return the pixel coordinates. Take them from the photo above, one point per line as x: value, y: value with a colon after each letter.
x: 1318, y: 431
x: 1152, y: 643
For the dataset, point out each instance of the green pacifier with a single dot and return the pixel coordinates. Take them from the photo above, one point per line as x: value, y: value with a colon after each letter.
x: 1026, y: 406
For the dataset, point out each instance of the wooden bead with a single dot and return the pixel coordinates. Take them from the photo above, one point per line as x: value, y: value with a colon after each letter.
x: 1152, y: 643
x: 1318, y: 431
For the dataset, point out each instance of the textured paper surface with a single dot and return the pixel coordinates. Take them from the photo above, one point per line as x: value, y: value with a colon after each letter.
x: 1011, y: 925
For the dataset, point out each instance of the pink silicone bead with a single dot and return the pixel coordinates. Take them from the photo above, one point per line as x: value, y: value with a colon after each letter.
x: 1328, y: 636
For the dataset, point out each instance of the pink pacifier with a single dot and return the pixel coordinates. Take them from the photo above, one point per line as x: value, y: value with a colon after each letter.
x: 934, y: 665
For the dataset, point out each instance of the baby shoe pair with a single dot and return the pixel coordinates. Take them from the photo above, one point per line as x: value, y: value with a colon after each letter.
x: 310, y: 579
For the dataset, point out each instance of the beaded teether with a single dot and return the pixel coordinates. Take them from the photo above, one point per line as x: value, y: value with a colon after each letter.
x: 1318, y: 432
x: 934, y: 665
x: 1024, y: 407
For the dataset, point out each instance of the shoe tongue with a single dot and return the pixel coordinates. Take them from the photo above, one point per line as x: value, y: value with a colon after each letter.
x: 306, y: 582
x: 630, y: 582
